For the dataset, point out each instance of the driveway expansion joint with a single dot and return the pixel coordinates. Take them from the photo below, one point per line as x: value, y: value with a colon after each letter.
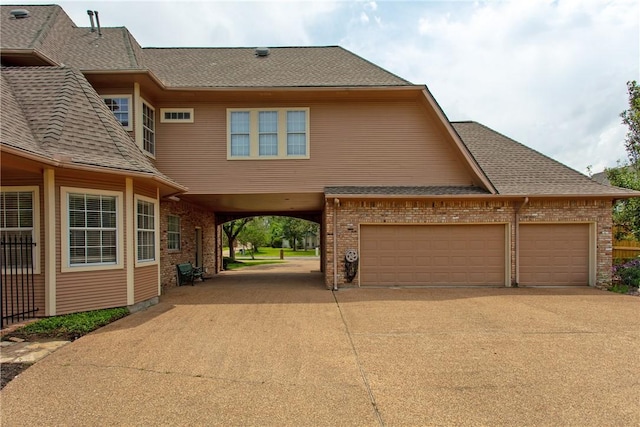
x: 361, y: 369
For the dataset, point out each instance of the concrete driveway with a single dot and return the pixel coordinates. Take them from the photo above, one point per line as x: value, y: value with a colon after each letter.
x: 273, y: 347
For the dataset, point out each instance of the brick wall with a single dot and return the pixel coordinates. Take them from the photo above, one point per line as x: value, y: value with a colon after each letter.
x: 352, y: 213
x: 191, y: 217
x: 594, y: 211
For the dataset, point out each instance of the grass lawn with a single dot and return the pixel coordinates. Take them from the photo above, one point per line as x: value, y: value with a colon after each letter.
x: 234, y: 265
x: 275, y: 253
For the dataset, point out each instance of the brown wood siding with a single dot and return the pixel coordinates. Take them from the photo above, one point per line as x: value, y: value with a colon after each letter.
x: 351, y: 143
x: 424, y: 255
x: 145, y: 190
x: 554, y: 254
x: 83, y: 179
x: 145, y: 283
x: 88, y: 290
x: 91, y: 290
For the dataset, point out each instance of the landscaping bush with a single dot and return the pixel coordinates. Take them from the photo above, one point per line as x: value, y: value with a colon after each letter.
x: 70, y: 326
x: 627, y: 274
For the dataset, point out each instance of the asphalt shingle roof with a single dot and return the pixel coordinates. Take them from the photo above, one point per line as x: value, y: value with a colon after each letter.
x: 26, y: 33
x: 283, y: 67
x: 46, y: 30
x: 14, y: 129
x: 516, y: 169
x: 52, y: 32
x: 116, y: 49
x: 54, y: 111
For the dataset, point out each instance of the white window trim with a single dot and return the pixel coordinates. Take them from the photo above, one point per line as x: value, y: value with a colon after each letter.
x: 65, y: 265
x: 176, y: 110
x: 156, y: 230
x: 179, y: 233
x: 130, y: 98
x: 36, y: 220
x: 254, y: 148
x: 155, y: 128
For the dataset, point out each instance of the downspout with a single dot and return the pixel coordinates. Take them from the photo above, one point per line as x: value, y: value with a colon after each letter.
x: 517, y: 242
x: 336, y: 203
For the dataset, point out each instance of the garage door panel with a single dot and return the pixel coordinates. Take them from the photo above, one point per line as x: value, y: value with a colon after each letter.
x: 554, y: 254
x: 423, y: 261
x: 439, y: 255
x: 405, y: 261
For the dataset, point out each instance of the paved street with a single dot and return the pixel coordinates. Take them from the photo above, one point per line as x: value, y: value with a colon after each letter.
x: 271, y: 346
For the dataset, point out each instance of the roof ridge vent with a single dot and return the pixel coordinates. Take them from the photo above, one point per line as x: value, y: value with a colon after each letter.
x: 19, y: 13
x: 262, y: 51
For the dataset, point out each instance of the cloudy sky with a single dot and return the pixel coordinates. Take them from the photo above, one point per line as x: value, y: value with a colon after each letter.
x: 549, y: 74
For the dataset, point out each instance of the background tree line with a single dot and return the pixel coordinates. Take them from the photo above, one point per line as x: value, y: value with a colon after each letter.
x: 261, y: 231
x: 626, y: 213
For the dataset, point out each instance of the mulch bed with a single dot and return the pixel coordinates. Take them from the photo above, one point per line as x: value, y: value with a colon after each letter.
x: 9, y: 371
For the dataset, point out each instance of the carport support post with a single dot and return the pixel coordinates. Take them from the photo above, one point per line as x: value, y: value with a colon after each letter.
x: 336, y: 203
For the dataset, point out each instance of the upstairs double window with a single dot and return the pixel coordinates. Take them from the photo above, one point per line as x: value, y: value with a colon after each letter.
x: 278, y: 133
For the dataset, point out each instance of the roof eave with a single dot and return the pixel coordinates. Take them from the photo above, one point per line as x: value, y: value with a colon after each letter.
x: 295, y: 88
x: 30, y: 53
x: 133, y: 71
x: 61, y: 163
x: 161, y: 84
x: 615, y: 196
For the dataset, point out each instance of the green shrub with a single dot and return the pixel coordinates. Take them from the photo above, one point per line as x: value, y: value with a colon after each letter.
x: 627, y: 274
x: 71, y: 326
x: 620, y: 289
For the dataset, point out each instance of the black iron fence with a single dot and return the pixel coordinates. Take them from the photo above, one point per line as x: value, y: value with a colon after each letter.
x: 17, y: 296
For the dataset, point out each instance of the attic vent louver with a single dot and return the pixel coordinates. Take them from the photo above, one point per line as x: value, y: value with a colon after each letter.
x: 262, y: 51
x: 19, y: 13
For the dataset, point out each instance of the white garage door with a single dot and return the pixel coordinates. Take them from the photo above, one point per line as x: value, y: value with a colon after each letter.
x: 422, y: 255
x: 554, y: 254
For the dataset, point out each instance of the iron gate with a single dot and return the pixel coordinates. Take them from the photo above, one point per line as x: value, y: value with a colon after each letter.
x: 17, y: 296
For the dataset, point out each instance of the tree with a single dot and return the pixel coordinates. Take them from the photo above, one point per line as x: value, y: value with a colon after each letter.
x: 631, y: 118
x: 626, y: 213
x: 231, y: 230
x: 276, y: 224
x: 255, y: 234
x: 295, y: 230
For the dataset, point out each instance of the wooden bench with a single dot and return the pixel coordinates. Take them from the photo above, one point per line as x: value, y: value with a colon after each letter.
x: 187, y: 273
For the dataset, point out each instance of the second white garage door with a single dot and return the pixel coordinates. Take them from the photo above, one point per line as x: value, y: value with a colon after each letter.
x: 422, y: 255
